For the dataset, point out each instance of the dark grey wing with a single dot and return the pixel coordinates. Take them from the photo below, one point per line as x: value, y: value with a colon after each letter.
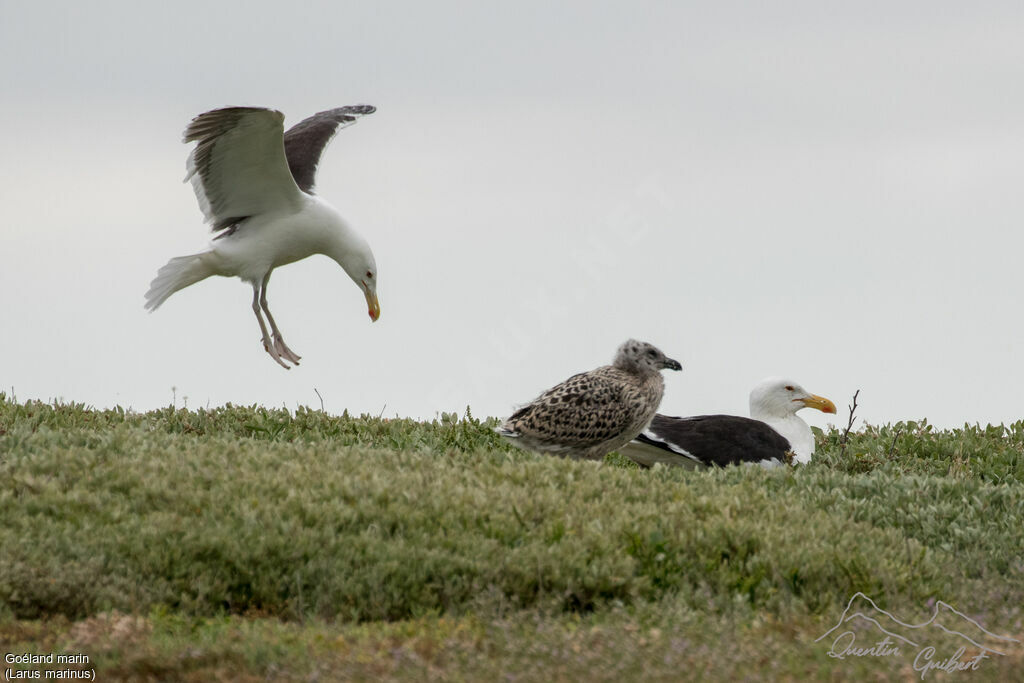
x: 305, y: 141
x: 717, y: 439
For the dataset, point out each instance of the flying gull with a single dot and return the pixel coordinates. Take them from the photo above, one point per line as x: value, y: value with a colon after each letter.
x: 773, y: 434
x: 255, y: 186
x: 593, y: 413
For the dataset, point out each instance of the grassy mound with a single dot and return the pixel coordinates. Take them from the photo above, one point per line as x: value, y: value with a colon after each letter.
x: 242, y: 510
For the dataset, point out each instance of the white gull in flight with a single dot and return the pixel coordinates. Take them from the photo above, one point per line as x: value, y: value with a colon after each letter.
x: 255, y: 186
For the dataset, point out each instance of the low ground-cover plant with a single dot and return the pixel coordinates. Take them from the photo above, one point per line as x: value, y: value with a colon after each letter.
x: 299, y: 514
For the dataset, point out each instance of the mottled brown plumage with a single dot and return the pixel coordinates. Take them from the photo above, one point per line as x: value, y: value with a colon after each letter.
x: 593, y: 413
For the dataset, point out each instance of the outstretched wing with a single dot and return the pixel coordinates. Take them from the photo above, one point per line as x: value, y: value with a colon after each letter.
x: 238, y: 168
x: 305, y: 141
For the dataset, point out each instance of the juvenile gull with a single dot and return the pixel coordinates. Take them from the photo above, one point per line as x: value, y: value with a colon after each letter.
x: 255, y: 186
x: 773, y: 434
x: 593, y: 413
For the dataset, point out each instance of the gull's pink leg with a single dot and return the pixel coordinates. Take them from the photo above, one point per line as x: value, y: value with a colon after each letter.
x: 279, y: 345
x: 267, y: 344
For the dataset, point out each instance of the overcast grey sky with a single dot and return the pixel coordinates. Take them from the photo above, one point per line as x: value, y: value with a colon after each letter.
x: 828, y: 191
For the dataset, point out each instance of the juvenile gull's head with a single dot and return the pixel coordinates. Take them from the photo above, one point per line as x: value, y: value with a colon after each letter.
x: 643, y: 358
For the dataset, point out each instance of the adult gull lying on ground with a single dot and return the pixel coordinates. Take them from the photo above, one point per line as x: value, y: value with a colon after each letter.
x: 593, y: 413
x: 773, y: 434
x: 255, y: 186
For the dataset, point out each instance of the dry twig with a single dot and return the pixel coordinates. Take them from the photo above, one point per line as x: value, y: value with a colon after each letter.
x: 892, y: 446
x: 849, y: 424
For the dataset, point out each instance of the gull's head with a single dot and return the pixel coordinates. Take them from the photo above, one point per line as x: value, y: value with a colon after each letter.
x: 369, y: 284
x: 357, y: 260
x: 778, y: 397
x: 638, y: 356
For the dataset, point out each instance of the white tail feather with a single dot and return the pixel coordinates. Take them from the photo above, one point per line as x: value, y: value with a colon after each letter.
x: 178, y: 273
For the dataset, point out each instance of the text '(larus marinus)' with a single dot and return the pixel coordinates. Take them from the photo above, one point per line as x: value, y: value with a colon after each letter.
x: 255, y: 186
x: 593, y: 413
x: 773, y: 434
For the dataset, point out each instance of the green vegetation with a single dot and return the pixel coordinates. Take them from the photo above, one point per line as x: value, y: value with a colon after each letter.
x: 287, y: 544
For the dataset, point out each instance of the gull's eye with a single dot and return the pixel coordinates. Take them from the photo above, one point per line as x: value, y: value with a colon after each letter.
x: 650, y: 352
x: 789, y: 388
x: 369, y: 274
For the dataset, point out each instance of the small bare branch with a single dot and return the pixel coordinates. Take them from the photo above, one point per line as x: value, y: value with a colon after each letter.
x: 849, y: 424
x: 892, y: 447
x: 321, y: 399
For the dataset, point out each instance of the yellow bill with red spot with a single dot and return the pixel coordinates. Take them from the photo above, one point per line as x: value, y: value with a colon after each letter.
x: 819, y: 403
x: 372, y: 304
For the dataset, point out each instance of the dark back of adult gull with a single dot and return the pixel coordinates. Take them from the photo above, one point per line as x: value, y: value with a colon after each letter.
x: 773, y: 434
x: 255, y: 186
x: 593, y: 413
